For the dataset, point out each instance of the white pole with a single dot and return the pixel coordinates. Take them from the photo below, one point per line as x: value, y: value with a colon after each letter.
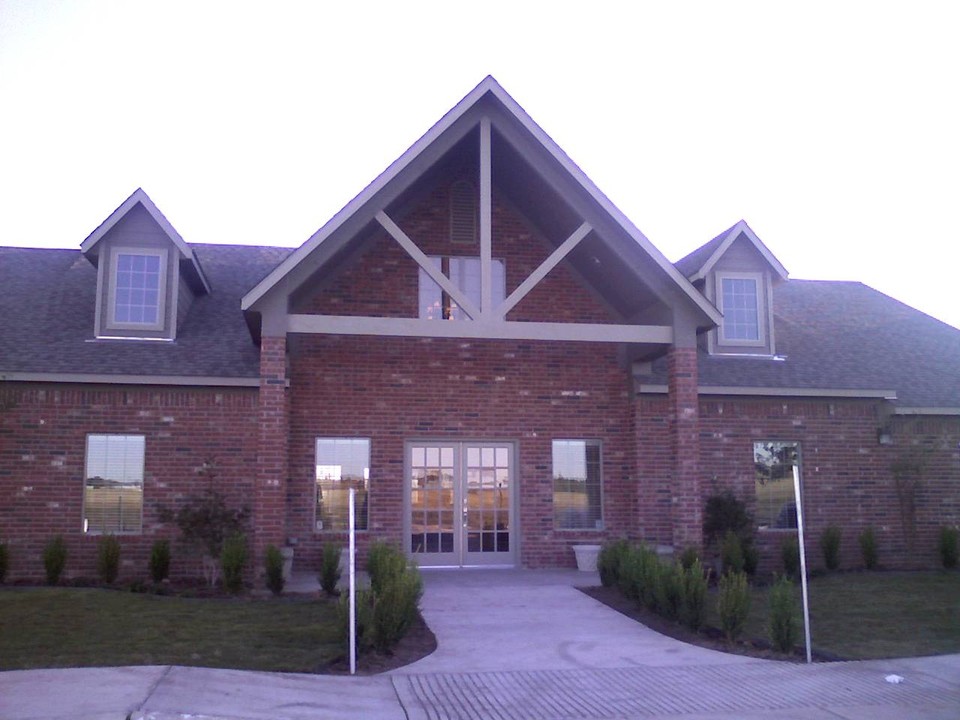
x: 353, y: 594
x: 803, y: 561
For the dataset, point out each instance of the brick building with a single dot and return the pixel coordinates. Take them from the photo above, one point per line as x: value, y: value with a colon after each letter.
x: 488, y: 351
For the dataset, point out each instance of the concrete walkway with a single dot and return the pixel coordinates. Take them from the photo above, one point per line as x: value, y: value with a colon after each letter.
x: 512, y: 644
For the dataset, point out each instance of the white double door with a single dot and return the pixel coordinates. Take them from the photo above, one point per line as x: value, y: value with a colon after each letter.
x: 460, y: 503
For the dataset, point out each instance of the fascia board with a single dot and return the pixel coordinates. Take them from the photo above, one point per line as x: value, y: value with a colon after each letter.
x: 107, y: 379
x: 777, y: 392
x: 141, y: 197
x: 733, y: 234
x: 351, y: 208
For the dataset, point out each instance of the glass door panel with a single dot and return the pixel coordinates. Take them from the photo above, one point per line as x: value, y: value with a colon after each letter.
x: 460, y: 503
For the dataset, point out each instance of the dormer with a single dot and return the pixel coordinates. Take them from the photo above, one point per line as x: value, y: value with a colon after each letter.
x: 737, y: 273
x: 147, y: 276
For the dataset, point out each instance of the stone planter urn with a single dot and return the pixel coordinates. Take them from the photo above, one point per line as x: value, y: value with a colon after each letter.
x: 287, y: 554
x: 586, y: 557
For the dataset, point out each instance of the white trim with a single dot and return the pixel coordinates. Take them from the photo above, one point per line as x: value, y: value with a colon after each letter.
x: 927, y: 411
x: 760, y: 307
x: 131, y: 337
x: 486, y: 221
x: 139, y: 196
x: 487, y: 86
x: 435, y: 273
x: 162, y: 288
x: 541, y: 272
x: 414, y: 327
x: 103, y: 379
x: 776, y: 392
x: 732, y: 234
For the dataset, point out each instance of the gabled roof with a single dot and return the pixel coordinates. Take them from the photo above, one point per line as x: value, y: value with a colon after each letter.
x: 452, y: 126
x: 89, y: 246
x: 697, y: 264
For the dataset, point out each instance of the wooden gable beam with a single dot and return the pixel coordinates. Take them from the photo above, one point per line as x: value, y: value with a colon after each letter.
x: 541, y: 272
x: 486, y: 221
x: 428, y: 267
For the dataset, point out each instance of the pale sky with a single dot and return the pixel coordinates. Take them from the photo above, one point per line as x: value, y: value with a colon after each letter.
x: 832, y: 128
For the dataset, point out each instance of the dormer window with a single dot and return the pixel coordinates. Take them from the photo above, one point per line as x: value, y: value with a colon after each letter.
x: 138, y: 281
x: 740, y: 305
x: 740, y: 302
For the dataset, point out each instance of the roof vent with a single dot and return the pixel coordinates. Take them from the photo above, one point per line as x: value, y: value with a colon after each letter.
x: 463, y: 213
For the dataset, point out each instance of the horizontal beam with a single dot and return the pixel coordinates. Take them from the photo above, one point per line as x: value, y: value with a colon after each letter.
x: 495, y: 330
x: 645, y: 389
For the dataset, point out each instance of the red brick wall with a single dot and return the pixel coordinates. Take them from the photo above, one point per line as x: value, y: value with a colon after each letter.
x: 392, y: 390
x: 42, y: 459
x: 846, y: 473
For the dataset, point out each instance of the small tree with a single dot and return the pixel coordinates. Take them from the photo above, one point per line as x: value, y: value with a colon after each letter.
x: 206, y: 521
x: 733, y: 604
x: 783, y: 626
x: 790, y: 556
x: 949, y: 547
x: 232, y: 559
x: 4, y: 561
x: 693, y: 597
x: 725, y: 513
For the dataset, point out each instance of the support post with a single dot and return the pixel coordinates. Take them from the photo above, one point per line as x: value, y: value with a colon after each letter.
x: 270, y: 492
x: 803, y: 562
x: 687, y: 502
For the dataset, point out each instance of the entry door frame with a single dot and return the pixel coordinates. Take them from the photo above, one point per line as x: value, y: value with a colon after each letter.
x: 460, y: 557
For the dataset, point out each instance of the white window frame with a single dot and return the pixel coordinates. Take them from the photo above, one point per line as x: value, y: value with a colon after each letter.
x: 87, y: 476
x: 363, y: 522
x: 599, y: 522
x: 761, y: 339
x: 115, y: 254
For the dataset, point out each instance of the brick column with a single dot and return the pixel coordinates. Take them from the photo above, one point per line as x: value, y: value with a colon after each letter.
x: 685, y: 440
x: 270, y: 496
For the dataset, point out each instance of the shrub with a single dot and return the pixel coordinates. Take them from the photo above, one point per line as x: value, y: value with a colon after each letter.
x: 108, y: 558
x: 733, y: 604
x: 330, y: 568
x: 783, y: 626
x: 830, y: 545
x: 689, y: 556
x: 608, y: 561
x: 668, y: 590
x: 868, y: 548
x: 160, y: 561
x: 628, y: 573
x: 790, y: 555
x: 751, y: 559
x: 724, y: 512
x: 384, y: 562
x: 364, y: 620
x: 693, y: 597
x: 273, y: 565
x: 949, y: 547
x: 647, y: 577
x: 4, y: 561
x: 395, y: 607
x: 232, y: 559
x: 54, y: 559
x: 731, y: 553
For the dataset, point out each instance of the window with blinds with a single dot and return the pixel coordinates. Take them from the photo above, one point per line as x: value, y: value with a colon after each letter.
x: 113, y: 484
x: 577, y: 485
x: 342, y: 463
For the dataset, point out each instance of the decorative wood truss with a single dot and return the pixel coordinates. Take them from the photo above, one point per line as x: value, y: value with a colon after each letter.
x: 486, y: 321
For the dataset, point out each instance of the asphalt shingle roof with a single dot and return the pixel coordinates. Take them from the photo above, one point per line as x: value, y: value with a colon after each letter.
x: 832, y: 335
x: 48, y: 300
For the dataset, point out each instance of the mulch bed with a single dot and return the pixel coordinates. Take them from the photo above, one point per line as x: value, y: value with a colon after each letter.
x: 708, y: 637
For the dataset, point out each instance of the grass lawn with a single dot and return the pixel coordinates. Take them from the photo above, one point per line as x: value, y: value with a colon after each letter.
x: 73, y: 627
x: 859, y: 616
